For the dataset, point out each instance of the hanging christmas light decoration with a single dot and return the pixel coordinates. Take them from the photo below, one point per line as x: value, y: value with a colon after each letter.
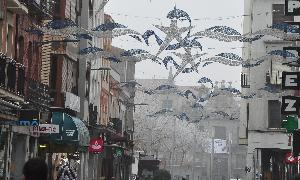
x: 61, y: 27
x: 251, y: 65
x: 83, y: 36
x: 172, y: 32
x: 226, y: 58
x: 186, y: 43
x: 150, y: 33
x: 187, y: 94
x: 113, y: 59
x: 182, y: 116
x: 108, y: 27
x: 178, y: 14
x: 204, y: 80
x: 136, y: 37
x: 286, y: 27
x: 133, y: 52
x: 131, y: 84
x: 197, y: 105
x: 206, y: 64
x: 232, y: 90
x: 161, y: 112
x: 90, y: 50
x: 165, y: 87
x: 187, y: 58
x: 222, y: 33
x: 282, y: 53
x: 169, y: 59
x: 192, y: 69
x: 33, y: 30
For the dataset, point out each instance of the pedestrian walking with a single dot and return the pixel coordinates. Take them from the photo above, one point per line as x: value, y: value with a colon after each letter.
x: 35, y: 169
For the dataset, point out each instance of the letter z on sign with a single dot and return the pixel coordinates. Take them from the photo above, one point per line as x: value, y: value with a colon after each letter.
x: 290, y: 105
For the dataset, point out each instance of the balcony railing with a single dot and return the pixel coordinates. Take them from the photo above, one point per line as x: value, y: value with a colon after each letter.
x: 38, y: 93
x: 41, y: 7
x: 12, y: 75
x: 115, y: 124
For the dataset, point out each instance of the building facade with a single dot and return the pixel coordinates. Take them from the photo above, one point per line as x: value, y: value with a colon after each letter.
x: 44, y: 80
x: 260, y: 130
x: 184, y: 145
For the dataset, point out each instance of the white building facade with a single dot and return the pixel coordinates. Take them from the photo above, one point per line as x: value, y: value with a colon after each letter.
x: 260, y: 127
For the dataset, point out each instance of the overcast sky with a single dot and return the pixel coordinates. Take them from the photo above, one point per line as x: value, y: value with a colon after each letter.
x: 142, y: 15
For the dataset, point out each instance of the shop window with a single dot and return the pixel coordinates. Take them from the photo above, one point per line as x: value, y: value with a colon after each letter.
x: 274, y: 111
x: 279, y: 16
x: 220, y: 132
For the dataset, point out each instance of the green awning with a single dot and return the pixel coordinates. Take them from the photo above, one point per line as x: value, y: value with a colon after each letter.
x: 72, y: 130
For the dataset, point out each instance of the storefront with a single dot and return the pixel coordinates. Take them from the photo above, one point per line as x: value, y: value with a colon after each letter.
x: 68, y: 148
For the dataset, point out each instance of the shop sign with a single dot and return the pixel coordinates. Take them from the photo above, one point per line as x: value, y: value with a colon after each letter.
x: 220, y: 146
x: 29, y: 118
x: 290, y: 158
x: 118, y: 152
x: 291, y: 80
x: 290, y: 105
x: 46, y: 129
x: 292, y: 7
x: 96, y: 145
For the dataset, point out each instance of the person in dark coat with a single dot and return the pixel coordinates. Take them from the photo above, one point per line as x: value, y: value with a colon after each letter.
x: 35, y: 169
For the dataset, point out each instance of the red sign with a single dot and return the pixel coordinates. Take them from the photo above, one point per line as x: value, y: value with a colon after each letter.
x: 290, y: 158
x: 96, y: 145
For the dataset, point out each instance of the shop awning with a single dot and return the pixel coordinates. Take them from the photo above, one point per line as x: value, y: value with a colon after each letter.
x: 72, y: 130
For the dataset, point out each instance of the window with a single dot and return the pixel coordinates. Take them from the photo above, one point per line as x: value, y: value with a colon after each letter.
x: 53, y: 74
x: 278, y: 14
x: 220, y: 132
x: 167, y: 104
x: 9, y: 40
x: 29, y: 56
x: 274, y: 110
x: 20, y: 49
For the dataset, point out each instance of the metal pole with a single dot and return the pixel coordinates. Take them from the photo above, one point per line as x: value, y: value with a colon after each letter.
x: 229, y: 157
x: 194, y: 149
x: 211, y: 155
x: 173, y: 149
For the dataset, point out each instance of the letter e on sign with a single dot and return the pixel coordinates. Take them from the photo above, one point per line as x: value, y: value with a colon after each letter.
x: 291, y: 80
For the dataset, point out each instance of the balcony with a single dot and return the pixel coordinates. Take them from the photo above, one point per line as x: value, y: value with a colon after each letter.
x: 38, y: 94
x: 40, y: 7
x: 12, y: 78
x: 115, y: 124
x: 17, y: 6
x: 66, y: 47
